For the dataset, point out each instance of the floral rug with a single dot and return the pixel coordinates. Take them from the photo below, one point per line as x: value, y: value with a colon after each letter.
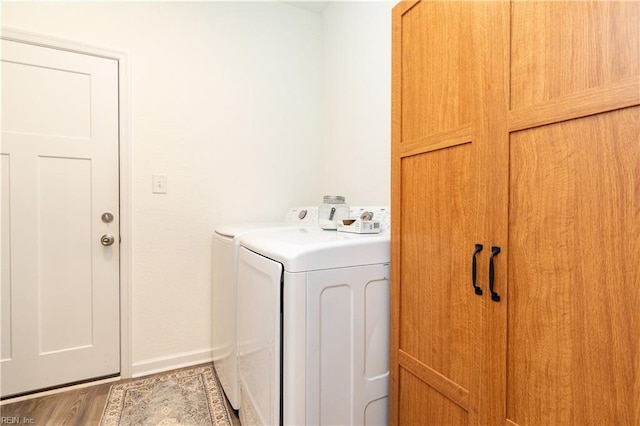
x: 184, y: 397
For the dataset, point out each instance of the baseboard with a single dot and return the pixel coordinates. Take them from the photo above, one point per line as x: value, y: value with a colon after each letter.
x: 171, y: 362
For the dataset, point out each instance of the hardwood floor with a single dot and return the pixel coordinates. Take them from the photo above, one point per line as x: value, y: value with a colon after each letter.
x: 78, y: 407
x: 75, y: 407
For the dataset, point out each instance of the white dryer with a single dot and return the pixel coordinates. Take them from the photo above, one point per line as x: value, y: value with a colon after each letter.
x: 313, y: 327
x: 226, y: 244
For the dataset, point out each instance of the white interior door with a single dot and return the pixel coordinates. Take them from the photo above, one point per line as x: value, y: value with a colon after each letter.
x: 59, y: 168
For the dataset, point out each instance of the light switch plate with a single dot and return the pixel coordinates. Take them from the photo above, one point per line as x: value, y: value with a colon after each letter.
x: 159, y: 184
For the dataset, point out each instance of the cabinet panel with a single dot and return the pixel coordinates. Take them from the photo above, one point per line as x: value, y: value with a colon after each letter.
x: 574, y: 270
x: 561, y: 48
x: 438, y: 229
x: 423, y: 405
x: 437, y: 69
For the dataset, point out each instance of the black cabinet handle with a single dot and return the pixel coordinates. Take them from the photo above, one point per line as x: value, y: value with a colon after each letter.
x: 477, y: 289
x: 494, y: 252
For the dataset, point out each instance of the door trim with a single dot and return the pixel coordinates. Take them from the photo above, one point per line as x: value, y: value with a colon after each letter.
x: 124, y: 167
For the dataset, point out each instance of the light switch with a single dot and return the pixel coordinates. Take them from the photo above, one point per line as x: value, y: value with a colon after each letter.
x: 159, y: 184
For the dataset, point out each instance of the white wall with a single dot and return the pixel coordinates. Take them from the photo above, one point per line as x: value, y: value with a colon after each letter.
x: 226, y: 101
x: 357, y: 101
x: 241, y: 105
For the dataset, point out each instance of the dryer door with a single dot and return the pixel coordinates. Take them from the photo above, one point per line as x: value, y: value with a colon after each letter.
x: 259, y: 338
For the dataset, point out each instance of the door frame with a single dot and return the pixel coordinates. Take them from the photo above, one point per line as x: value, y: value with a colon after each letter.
x: 124, y: 169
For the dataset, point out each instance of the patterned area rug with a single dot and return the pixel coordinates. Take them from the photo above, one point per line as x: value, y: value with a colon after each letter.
x: 184, y: 397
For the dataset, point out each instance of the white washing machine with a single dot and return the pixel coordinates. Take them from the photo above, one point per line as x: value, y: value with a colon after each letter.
x: 226, y: 244
x: 313, y: 327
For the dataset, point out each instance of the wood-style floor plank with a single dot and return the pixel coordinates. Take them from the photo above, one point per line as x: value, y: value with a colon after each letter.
x: 75, y: 407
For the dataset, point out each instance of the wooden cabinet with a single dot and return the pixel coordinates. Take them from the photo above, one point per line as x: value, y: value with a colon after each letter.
x: 515, y: 126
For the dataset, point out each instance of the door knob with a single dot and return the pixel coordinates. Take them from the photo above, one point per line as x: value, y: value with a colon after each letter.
x: 107, y: 240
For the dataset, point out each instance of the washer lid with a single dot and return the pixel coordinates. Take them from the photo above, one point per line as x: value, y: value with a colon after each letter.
x: 235, y: 230
x: 311, y: 249
x: 295, y: 217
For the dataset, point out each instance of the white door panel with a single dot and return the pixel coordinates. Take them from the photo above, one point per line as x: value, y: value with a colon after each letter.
x: 64, y: 253
x: 26, y: 101
x: 60, y: 286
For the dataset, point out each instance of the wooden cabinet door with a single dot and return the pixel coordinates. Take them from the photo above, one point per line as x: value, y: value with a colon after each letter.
x: 516, y: 123
x: 443, y: 53
x: 573, y: 327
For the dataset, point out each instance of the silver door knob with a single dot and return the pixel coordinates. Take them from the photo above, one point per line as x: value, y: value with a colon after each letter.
x: 107, y: 240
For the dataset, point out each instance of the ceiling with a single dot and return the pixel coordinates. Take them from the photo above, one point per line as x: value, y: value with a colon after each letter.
x: 313, y: 6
